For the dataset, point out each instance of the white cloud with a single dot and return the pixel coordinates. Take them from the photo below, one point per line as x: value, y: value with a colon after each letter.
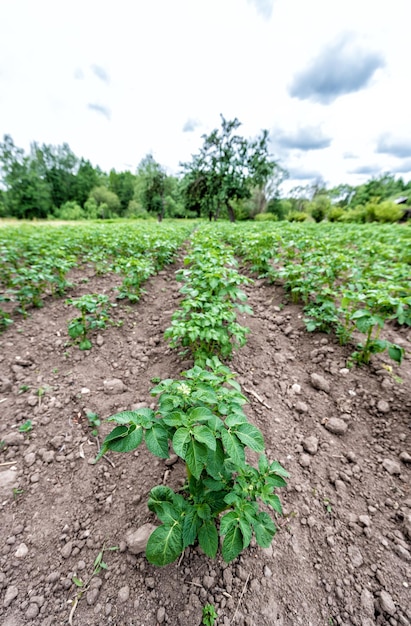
x: 155, y: 68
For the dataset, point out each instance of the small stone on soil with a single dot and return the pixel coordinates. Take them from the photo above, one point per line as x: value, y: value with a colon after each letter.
x: 137, y: 538
x: 336, y: 426
x: 392, y: 467
x: 310, y: 444
x: 319, y: 382
x: 387, y: 603
x: 114, y: 386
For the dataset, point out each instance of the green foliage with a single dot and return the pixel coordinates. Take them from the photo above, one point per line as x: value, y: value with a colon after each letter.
x: 388, y: 212
x: 335, y: 214
x: 297, y: 216
x: 209, y: 615
x: 206, y: 322
x: 70, y: 211
x: 5, y: 320
x: 91, y: 209
x: 266, y: 217
x: 94, y: 422
x: 319, y: 207
x: 279, y: 207
x: 26, y: 427
x: 153, y: 186
x: 350, y: 279
x: 227, y: 168
x: 108, y: 203
x: 136, y: 271
x: 94, y: 309
x: 202, y: 418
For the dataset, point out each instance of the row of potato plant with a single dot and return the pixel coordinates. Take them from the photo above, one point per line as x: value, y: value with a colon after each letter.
x: 351, y: 279
x: 35, y: 259
x: 200, y: 417
x: 206, y: 322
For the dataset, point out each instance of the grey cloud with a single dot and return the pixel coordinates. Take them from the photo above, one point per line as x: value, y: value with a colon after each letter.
x: 308, y: 138
x: 350, y: 155
x: 402, y: 168
x: 396, y: 147
x: 190, y: 125
x: 263, y: 7
x: 339, y: 69
x: 101, y: 73
x: 302, y: 174
x: 366, y: 169
x: 101, y: 109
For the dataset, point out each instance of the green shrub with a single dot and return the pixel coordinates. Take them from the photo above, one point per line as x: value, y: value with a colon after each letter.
x: 336, y: 214
x: 266, y: 217
x: 356, y: 216
x: 70, y: 211
x: 388, y: 212
x: 297, y: 216
x: 136, y: 211
x: 279, y: 207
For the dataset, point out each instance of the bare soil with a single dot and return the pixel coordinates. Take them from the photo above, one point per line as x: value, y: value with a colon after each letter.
x: 342, y: 552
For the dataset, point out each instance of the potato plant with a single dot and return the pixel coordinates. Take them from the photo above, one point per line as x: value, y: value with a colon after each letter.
x: 94, y: 315
x: 201, y: 419
x: 206, y: 322
x: 351, y: 280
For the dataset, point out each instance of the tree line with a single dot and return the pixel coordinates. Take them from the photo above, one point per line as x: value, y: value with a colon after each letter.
x: 230, y: 176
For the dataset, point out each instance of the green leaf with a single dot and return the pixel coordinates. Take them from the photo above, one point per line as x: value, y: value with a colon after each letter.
x: 212, y: 484
x: 215, y: 462
x: 191, y: 524
x: 167, y: 513
x: 263, y: 464
x: 274, y: 501
x: 205, y: 435
x: 251, y: 436
x: 128, y: 442
x: 264, y: 529
x: 232, y: 544
x: 176, y: 418
x: 157, y: 441
x: 233, y: 447
x: 232, y: 499
x: 203, y: 511
x: 396, y: 352
x: 208, y: 538
x: 199, y: 413
x: 85, y: 344
x: 181, y: 439
x: 130, y: 417
x: 377, y: 345
x: 165, y: 544
x: 77, y: 581
x: 118, y: 431
x: 278, y: 469
x: 159, y: 495
x: 235, y: 419
x: 275, y: 481
x: 246, y: 531
x: 196, y: 457
x: 228, y: 520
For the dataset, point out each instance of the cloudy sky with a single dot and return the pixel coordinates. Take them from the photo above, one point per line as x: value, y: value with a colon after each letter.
x: 115, y: 80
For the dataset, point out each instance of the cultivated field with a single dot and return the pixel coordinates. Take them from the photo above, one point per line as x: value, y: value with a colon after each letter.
x: 93, y: 316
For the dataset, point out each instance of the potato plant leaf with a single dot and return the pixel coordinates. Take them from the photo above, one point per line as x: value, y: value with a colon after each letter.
x: 157, y: 441
x: 208, y: 538
x: 165, y: 544
x: 232, y: 544
x: 250, y: 436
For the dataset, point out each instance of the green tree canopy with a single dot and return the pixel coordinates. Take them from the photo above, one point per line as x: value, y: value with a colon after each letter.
x: 226, y: 169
